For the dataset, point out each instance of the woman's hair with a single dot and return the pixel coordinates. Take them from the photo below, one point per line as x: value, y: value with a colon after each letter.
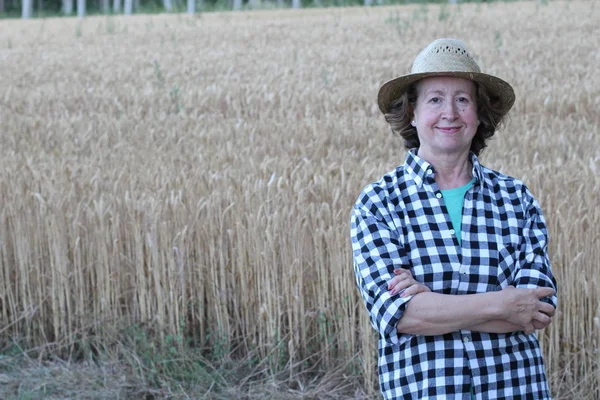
x: 488, y: 111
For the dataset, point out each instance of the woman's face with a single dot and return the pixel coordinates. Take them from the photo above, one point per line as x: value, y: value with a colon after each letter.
x: 445, y: 115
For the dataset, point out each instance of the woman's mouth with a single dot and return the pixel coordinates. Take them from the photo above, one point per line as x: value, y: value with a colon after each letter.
x: 449, y: 129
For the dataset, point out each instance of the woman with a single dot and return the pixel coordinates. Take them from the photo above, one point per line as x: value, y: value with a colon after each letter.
x: 451, y: 257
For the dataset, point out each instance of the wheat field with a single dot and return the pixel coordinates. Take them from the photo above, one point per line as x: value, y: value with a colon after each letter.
x: 194, y: 175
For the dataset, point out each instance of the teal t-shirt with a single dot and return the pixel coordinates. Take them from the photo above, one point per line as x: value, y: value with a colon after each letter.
x: 454, y: 200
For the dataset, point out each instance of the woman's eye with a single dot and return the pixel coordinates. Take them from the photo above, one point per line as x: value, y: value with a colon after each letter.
x: 463, y: 100
x: 434, y: 100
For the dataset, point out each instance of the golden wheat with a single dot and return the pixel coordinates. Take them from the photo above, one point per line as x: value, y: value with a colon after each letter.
x: 196, y: 174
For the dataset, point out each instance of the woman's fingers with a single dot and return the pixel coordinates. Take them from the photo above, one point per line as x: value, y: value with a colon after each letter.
x: 544, y: 292
x: 540, y: 325
x: 547, y: 309
x: 400, y: 276
x: 398, y: 279
x: 415, y: 289
x: 541, y: 320
x: 526, y: 308
x: 404, y: 281
x: 402, y: 285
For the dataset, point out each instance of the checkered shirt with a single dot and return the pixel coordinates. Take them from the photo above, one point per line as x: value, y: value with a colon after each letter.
x: 401, y: 221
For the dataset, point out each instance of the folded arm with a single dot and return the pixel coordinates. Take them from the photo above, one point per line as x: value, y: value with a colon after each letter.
x: 530, y: 306
x: 504, y: 311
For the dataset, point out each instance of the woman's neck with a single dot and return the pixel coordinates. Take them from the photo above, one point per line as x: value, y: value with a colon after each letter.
x: 451, y: 170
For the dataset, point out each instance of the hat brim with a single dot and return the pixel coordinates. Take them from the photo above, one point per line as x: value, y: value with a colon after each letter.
x: 496, y: 87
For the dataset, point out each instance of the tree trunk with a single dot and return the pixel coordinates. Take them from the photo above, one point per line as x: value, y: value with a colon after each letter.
x: 168, y: 4
x: 368, y: 2
x: 1, y: 6
x: 67, y: 7
x: 254, y: 4
x: 116, y: 6
x: 128, y: 7
x: 191, y: 7
x: 280, y: 3
x: 237, y: 4
x: 296, y: 4
x: 26, y: 8
x: 81, y: 8
x: 105, y: 6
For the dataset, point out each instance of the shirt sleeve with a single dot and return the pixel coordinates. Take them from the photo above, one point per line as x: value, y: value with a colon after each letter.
x: 534, y: 263
x: 377, y: 252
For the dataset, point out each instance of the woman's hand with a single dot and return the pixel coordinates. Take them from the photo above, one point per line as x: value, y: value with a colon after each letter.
x: 523, y: 307
x: 404, y: 281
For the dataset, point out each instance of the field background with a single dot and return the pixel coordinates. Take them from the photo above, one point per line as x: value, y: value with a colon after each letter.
x: 175, y: 192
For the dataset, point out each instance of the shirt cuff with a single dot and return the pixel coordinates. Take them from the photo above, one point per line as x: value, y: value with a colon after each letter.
x: 394, y: 307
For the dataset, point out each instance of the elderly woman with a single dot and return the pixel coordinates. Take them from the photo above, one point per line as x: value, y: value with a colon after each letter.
x: 451, y: 257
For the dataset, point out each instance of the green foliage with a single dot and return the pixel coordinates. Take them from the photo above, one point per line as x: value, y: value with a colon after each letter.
x: 110, y: 26
x: 158, y: 75
x: 9, y: 351
x: 149, y: 25
x: 219, y: 345
x: 176, y: 98
x: 149, y: 364
x: 78, y: 31
x: 422, y: 13
x: 498, y: 42
x: 53, y: 8
x: 401, y: 23
x: 174, y: 93
x: 444, y: 13
x: 174, y: 361
x: 324, y: 77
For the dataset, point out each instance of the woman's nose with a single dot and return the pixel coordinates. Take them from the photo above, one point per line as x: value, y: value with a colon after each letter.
x: 450, y: 111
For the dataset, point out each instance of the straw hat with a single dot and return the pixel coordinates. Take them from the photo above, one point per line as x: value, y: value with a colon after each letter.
x: 446, y: 57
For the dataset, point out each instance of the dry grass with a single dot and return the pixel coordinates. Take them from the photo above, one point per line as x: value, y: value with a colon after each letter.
x: 195, y: 175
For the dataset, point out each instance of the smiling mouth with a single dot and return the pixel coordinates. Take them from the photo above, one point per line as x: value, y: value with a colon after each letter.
x: 449, y: 129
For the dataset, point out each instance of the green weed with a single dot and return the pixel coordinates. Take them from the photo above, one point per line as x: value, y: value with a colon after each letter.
x: 444, y: 13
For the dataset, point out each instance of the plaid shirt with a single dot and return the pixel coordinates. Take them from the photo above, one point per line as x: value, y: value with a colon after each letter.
x: 401, y: 221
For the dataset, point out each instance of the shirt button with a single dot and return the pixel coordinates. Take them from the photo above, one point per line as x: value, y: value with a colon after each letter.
x: 466, y: 339
x: 429, y: 172
x: 463, y: 270
x: 452, y: 232
x: 438, y: 195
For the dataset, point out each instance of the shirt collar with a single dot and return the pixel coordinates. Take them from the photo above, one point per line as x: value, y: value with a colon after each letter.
x: 477, y: 170
x: 420, y: 170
